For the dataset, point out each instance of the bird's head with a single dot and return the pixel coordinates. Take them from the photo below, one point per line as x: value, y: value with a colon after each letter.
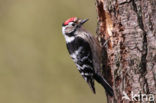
x: 71, y: 25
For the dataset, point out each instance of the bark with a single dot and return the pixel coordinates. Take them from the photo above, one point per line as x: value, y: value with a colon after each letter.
x: 129, y: 56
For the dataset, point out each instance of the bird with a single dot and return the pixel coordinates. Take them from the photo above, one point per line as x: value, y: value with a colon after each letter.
x: 85, y: 51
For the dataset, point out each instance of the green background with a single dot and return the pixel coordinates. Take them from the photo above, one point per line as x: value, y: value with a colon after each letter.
x: 35, y: 66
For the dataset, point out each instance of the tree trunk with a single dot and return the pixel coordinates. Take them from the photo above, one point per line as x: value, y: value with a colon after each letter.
x: 129, y: 56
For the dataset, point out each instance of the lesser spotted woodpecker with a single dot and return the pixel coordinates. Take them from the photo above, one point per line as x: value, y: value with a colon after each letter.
x: 85, y: 52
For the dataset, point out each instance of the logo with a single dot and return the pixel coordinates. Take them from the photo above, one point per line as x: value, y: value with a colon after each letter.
x: 139, y: 97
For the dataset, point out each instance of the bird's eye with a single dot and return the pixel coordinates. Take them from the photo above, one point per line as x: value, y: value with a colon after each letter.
x: 73, y: 24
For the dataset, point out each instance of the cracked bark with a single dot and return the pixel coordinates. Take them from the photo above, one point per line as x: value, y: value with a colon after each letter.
x: 129, y: 59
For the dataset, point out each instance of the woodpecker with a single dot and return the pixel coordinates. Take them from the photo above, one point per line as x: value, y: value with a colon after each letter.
x: 85, y: 51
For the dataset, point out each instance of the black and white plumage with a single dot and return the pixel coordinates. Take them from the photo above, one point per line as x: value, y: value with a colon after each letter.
x: 85, y: 52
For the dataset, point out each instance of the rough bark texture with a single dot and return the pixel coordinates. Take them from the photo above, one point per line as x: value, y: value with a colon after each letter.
x: 129, y: 58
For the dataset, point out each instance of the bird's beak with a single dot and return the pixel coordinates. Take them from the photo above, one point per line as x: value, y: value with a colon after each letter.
x: 83, y: 21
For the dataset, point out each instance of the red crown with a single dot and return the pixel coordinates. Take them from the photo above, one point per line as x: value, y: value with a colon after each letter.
x: 69, y: 20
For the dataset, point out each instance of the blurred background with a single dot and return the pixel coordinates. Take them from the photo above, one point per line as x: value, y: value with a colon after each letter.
x: 35, y: 66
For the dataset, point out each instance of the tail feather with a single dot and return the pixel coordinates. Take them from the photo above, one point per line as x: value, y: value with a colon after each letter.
x: 91, y: 85
x: 105, y: 84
